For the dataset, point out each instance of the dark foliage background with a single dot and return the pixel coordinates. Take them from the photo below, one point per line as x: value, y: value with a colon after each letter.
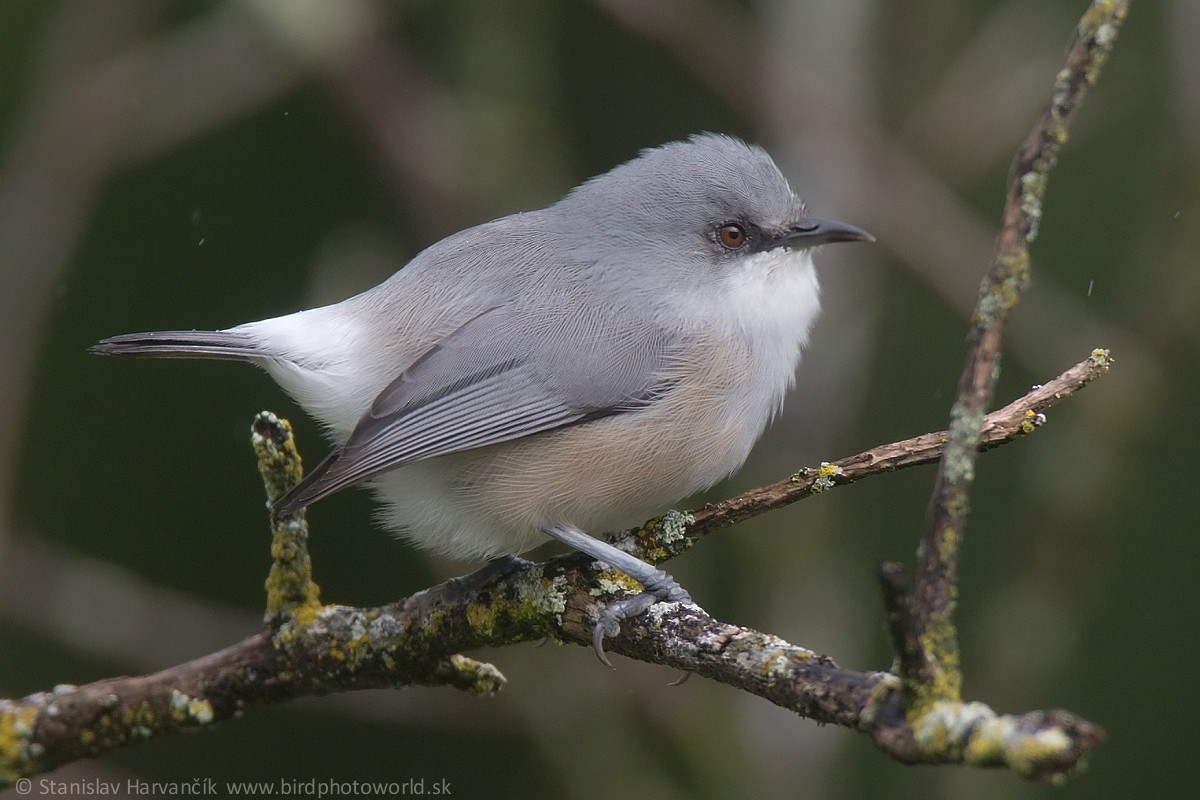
x: 199, y: 164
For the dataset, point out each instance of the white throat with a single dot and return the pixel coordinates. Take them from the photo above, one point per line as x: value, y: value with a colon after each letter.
x: 773, y: 297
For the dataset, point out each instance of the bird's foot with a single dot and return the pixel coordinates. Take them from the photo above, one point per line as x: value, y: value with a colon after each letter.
x: 660, y: 587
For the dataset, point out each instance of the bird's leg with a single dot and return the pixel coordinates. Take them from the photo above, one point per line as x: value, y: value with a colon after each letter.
x: 659, y: 586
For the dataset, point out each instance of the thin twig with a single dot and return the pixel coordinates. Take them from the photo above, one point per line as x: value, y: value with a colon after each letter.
x: 910, y: 664
x: 1018, y: 418
x: 1007, y: 277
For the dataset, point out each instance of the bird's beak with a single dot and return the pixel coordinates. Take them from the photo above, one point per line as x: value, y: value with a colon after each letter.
x: 813, y: 231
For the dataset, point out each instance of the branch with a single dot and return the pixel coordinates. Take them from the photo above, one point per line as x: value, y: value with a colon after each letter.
x: 308, y: 648
x: 936, y: 676
x: 1020, y: 417
x: 915, y: 716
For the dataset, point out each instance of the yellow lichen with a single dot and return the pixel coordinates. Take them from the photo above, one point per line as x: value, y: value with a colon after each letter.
x: 482, y: 615
x: 985, y: 748
x: 775, y: 665
x: 614, y: 580
x: 145, y: 714
x: 948, y: 547
x: 279, y: 462
x: 433, y: 623
x: 1098, y: 14
x: 1008, y: 274
x: 190, y: 709
x: 947, y: 730
x: 994, y: 740
x: 1030, y: 751
x: 178, y: 704
x: 201, y: 711
x: 826, y: 474
x: 535, y: 597
x: 940, y: 641
x: 485, y: 679
x: 16, y: 728
x: 290, y: 588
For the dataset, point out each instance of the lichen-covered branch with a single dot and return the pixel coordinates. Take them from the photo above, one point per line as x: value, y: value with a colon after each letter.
x: 306, y: 648
x: 291, y: 591
x: 940, y: 679
x: 309, y: 648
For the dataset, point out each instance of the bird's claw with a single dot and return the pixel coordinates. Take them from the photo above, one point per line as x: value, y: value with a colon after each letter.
x: 663, y: 588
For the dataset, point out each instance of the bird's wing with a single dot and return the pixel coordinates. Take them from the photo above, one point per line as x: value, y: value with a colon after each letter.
x: 488, y: 383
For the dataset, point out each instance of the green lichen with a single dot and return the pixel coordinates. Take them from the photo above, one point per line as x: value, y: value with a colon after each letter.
x: 1033, y: 190
x: 533, y: 599
x: 342, y: 641
x: 800, y: 475
x: 1099, y: 26
x: 974, y: 734
x: 959, y: 459
x: 552, y: 596
x: 348, y: 640
x: 770, y: 657
x: 345, y: 636
x: 658, y: 534
x: 1062, y: 102
x: 1007, y: 277
x: 659, y: 611
x: 672, y: 526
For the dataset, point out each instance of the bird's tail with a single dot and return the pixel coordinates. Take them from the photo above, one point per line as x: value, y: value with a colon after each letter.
x: 182, y: 344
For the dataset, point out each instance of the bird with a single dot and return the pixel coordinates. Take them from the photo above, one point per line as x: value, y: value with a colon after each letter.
x: 561, y: 372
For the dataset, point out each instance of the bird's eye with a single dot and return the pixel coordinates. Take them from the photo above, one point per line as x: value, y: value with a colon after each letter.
x: 731, y: 235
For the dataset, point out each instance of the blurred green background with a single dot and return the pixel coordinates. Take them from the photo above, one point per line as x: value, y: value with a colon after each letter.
x: 200, y: 164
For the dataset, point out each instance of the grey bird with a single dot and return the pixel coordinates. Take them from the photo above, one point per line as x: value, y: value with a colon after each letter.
x: 560, y: 372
